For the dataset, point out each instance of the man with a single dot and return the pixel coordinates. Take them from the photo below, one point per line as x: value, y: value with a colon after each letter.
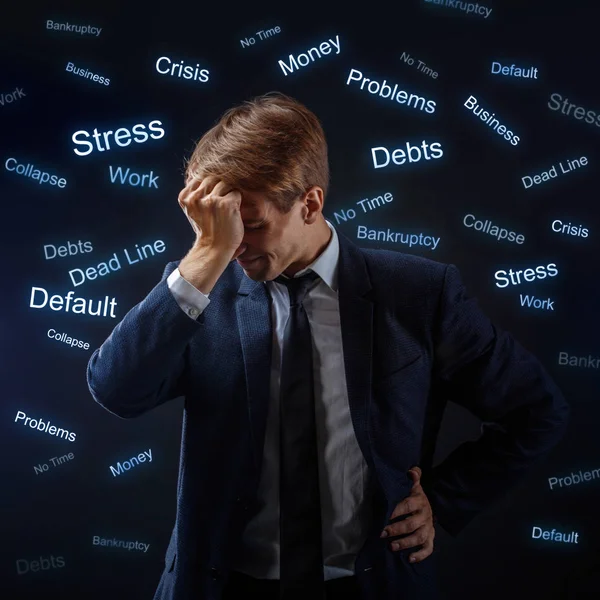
x: 315, y: 375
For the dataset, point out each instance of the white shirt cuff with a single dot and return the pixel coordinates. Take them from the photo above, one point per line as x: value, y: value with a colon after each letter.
x: 191, y: 300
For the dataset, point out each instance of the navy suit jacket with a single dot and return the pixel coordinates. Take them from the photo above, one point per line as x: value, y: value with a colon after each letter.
x: 412, y: 339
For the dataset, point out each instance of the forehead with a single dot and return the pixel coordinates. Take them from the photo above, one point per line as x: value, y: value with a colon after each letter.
x: 254, y: 205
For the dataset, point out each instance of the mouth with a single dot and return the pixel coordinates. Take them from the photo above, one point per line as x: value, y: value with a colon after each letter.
x: 247, y: 263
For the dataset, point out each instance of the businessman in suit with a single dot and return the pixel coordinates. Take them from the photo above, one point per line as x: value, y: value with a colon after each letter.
x: 315, y: 375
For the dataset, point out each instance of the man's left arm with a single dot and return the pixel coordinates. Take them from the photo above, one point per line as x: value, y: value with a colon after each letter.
x: 498, y: 380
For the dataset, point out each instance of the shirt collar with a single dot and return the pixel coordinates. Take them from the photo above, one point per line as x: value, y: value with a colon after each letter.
x: 326, y: 264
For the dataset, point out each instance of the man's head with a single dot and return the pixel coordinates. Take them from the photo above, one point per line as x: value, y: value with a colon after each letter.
x: 273, y: 150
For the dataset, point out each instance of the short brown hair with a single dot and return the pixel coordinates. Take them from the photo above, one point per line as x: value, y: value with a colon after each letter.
x: 272, y: 144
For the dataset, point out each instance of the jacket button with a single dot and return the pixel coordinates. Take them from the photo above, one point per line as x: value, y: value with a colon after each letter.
x: 214, y: 573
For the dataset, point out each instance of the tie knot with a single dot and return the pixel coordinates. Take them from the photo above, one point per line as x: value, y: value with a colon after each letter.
x: 297, y: 286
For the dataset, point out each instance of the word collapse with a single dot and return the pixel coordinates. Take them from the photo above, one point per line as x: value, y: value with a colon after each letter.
x: 484, y: 115
x: 401, y: 97
x: 128, y: 178
x: 10, y: 98
x: 534, y: 302
x: 70, y: 249
x: 178, y: 70
x: 560, y: 227
x: 63, y: 337
x: 587, y: 362
x: 82, y: 29
x: 420, y: 67
x: 573, y: 479
x: 580, y: 112
x: 399, y: 155
x: 412, y: 239
x: 528, y: 275
x: 528, y: 181
x: 538, y: 532
x: 487, y: 227
x: 79, y: 304
x: 114, y: 264
x: 98, y: 541
x: 29, y: 171
x: 262, y: 35
x: 468, y: 7
x: 56, y: 461
x: 71, y: 68
x: 46, y: 427
x: 120, y: 134
x: 132, y: 462
x: 24, y: 566
x: 514, y: 71
x: 304, y: 59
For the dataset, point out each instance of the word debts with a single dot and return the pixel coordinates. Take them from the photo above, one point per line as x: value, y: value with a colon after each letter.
x: 63, y: 337
x: 45, y: 427
x: 399, y: 155
x: 385, y: 91
x: 555, y: 536
x: 487, y: 227
x: 98, y: 541
x: 132, y: 462
x: 262, y: 35
x: 559, y: 227
x: 165, y: 66
x: 420, y: 67
x: 114, y: 264
x: 573, y: 479
x: 484, y: 115
x: 28, y: 170
x: 10, y: 98
x: 122, y: 137
x: 412, y: 239
x: 366, y: 204
x: 56, y: 461
x: 302, y: 60
x: 43, y: 564
x: 590, y: 115
x: 82, y: 29
x: 132, y: 178
x: 570, y: 165
x: 71, y: 68
x: 534, y: 302
x: 79, y: 304
x: 468, y: 7
x: 70, y: 249
x: 530, y: 73
x: 514, y: 277
x: 587, y: 362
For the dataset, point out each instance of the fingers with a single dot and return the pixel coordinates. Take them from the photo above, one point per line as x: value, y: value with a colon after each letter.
x: 421, y: 536
x: 423, y: 553
x: 408, y: 525
x: 409, y: 505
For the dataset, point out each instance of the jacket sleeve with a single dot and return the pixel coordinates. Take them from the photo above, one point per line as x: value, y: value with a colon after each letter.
x: 489, y: 373
x: 142, y: 362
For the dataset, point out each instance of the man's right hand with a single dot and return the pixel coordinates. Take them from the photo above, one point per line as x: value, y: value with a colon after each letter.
x: 213, y: 210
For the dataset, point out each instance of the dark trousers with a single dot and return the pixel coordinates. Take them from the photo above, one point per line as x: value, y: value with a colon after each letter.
x: 242, y: 586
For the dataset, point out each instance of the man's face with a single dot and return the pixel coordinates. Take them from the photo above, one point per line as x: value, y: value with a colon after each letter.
x: 274, y: 239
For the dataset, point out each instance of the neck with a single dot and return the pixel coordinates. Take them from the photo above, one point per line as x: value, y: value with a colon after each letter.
x: 319, y: 239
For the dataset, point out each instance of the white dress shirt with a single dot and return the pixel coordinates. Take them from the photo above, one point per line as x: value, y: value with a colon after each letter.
x: 343, y: 472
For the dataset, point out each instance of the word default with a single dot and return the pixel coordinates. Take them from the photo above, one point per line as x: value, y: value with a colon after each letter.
x: 555, y: 536
x: 303, y: 59
x: 514, y: 71
x: 79, y: 304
